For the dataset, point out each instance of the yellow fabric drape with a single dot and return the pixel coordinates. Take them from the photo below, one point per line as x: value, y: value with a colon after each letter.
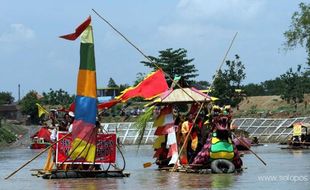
x: 48, y: 166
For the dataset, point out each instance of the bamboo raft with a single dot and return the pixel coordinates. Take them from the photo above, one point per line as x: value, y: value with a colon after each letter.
x: 63, y: 174
x: 194, y: 170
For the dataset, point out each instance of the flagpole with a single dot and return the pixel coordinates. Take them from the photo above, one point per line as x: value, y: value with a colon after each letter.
x: 133, y: 45
x: 35, y: 157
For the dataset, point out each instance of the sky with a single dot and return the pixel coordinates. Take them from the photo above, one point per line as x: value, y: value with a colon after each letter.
x: 32, y: 55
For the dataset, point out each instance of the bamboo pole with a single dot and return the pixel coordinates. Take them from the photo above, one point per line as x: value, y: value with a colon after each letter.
x: 244, y: 144
x: 35, y: 157
x: 144, y: 55
x: 186, y: 138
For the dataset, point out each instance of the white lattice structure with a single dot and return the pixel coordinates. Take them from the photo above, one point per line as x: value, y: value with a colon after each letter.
x: 128, y: 134
x: 265, y: 129
x: 269, y: 129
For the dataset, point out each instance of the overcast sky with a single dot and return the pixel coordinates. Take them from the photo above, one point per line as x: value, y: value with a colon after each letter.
x: 33, y: 56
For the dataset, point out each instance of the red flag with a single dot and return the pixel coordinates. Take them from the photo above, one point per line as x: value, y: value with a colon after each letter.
x: 78, y: 30
x: 153, y: 85
x: 100, y: 106
x: 107, y: 104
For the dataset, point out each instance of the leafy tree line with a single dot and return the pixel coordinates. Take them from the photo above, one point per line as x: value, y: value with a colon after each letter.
x: 291, y: 86
x: 51, y: 98
x: 6, y: 98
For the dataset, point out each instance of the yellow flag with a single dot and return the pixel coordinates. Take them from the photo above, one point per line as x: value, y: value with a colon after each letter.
x: 41, y: 110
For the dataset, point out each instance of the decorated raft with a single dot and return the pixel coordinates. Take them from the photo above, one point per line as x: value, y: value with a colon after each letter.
x: 41, y: 139
x: 300, y: 139
x: 84, y: 150
x: 193, y: 135
x: 63, y: 174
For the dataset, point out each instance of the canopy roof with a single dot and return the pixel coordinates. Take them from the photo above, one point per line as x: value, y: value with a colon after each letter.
x: 42, y: 133
x: 185, y: 95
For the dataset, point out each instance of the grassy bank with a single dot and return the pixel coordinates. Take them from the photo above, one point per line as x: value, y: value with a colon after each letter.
x: 9, y: 133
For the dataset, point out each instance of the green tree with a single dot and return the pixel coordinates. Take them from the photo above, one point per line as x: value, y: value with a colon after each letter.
x: 293, y: 89
x: 227, y: 81
x: 201, y: 85
x: 123, y: 87
x: 174, y: 63
x: 57, y: 97
x: 254, y: 89
x: 139, y: 77
x: 112, y: 83
x: 6, y: 98
x: 273, y: 87
x: 28, y: 106
x: 299, y: 32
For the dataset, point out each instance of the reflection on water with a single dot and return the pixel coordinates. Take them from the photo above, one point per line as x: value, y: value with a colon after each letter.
x: 286, y: 169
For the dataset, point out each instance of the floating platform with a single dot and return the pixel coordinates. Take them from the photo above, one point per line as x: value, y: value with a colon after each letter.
x: 62, y: 174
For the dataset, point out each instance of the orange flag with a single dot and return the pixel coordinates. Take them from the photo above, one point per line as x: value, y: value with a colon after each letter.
x: 153, y: 85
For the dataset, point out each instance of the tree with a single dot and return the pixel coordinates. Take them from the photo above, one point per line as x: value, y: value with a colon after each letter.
x: 293, y: 89
x: 28, y: 106
x: 254, y: 89
x: 123, y: 87
x: 139, y: 77
x: 58, y: 97
x: 273, y: 87
x: 174, y: 63
x: 6, y: 98
x: 201, y: 85
x: 112, y: 83
x: 299, y: 32
x: 227, y: 81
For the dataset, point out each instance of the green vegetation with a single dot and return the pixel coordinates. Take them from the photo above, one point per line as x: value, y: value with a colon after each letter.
x: 112, y: 83
x: 299, y: 32
x: 28, y: 106
x: 227, y: 81
x: 6, y: 98
x: 294, y: 84
x: 57, y: 97
x: 174, y: 63
x: 9, y: 133
x: 141, y: 122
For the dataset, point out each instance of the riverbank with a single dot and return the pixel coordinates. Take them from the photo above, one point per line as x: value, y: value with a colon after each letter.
x: 14, y: 135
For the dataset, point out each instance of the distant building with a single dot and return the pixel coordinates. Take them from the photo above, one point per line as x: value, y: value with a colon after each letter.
x: 10, y: 111
x: 108, y: 93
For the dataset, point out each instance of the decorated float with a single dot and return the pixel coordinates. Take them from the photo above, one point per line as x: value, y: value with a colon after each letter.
x: 84, y: 150
x: 193, y: 135
x: 300, y: 138
x: 41, y: 139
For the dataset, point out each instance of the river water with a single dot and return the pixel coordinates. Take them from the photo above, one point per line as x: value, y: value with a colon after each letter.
x: 286, y: 169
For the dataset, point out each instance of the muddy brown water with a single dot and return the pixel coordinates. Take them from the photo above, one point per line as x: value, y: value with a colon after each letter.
x: 286, y: 169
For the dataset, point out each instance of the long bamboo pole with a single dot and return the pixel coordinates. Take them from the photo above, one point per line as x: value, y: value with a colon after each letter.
x: 141, y: 52
x: 35, y: 157
x: 244, y: 144
x: 186, y: 138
